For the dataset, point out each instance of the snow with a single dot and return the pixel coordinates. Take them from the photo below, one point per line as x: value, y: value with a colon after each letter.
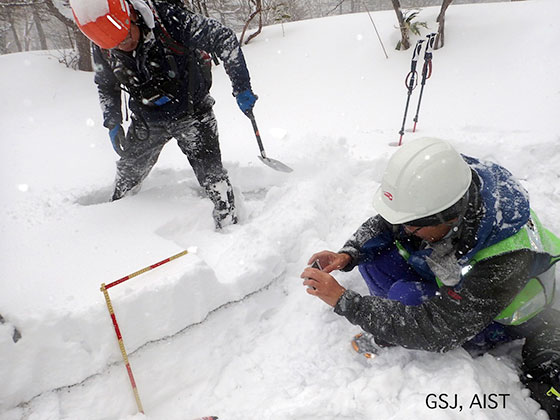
x: 228, y: 329
x: 90, y: 11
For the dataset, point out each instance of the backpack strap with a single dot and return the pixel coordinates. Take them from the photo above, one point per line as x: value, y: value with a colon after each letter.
x: 195, y: 59
x: 161, y: 32
x: 167, y: 40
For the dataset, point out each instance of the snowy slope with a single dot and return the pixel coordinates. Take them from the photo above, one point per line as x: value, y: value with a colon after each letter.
x: 330, y: 104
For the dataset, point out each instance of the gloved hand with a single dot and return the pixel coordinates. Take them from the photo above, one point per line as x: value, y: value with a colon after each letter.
x: 118, y: 139
x: 246, y: 100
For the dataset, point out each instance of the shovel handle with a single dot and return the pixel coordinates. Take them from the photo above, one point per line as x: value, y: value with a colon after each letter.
x: 256, y: 130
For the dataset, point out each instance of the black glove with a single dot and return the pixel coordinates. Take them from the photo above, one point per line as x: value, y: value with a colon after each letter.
x: 118, y: 139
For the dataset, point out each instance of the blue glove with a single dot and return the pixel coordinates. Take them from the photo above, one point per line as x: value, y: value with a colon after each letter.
x: 118, y: 139
x: 246, y: 100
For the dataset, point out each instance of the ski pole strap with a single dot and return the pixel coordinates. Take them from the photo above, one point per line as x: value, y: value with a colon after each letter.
x: 427, y: 69
x: 411, y: 80
x: 412, y: 74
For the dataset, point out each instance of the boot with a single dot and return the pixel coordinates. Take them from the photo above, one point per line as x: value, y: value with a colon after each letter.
x: 365, y: 344
x: 122, y: 189
x: 221, y: 194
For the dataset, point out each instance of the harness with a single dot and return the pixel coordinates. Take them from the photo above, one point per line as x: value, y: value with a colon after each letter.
x: 156, y: 86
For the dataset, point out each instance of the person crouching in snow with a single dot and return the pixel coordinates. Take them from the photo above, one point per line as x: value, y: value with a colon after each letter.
x: 158, y: 53
x: 455, y: 252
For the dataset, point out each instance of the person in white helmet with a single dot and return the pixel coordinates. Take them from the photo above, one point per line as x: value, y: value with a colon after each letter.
x: 455, y: 257
x: 158, y: 53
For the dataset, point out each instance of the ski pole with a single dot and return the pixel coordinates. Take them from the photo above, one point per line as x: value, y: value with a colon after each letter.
x: 426, y: 72
x: 411, y: 82
x: 375, y: 27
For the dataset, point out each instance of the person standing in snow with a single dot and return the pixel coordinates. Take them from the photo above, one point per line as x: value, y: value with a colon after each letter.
x: 158, y: 53
x: 455, y: 257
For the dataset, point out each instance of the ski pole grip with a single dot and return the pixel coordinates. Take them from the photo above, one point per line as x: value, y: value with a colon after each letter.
x: 430, y: 43
x: 417, y: 50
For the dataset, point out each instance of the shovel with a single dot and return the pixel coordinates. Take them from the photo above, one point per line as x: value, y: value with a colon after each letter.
x: 273, y: 163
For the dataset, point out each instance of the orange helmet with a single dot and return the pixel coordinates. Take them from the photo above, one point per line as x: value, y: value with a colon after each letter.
x: 105, y: 22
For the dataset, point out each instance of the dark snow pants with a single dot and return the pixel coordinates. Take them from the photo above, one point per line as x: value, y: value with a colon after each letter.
x: 540, y: 368
x: 196, y: 135
x: 388, y: 275
x: 541, y: 359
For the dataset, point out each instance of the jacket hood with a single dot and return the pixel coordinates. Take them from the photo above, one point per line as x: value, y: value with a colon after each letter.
x: 505, y: 202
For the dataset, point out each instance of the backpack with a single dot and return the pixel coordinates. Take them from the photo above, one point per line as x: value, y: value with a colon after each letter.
x: 179, y: 3
x: 199, y: 58
x: 197, y: 61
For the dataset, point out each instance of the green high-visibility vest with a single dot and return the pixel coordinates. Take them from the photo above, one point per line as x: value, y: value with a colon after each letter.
x: 539, y: 291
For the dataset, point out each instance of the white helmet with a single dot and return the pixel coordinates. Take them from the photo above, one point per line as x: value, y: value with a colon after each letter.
x: 422, y: 178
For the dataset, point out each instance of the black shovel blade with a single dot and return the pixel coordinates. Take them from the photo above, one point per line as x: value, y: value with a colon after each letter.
x: 275, y: 164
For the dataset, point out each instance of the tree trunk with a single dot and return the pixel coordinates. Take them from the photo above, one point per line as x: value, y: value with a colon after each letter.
x: 27, y: 34
x: 204, y: 8
x: 405, y: 41
x: 3, y: 46
x: 40, y: 31
x: 83, y: 45
x: 70, y: 38
x: 12, y: 22
x: 440, y: 37
x: 82, y: 42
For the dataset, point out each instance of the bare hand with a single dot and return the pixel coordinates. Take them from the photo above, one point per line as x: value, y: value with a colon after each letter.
x: 330, y: 261
x: 322, y: 285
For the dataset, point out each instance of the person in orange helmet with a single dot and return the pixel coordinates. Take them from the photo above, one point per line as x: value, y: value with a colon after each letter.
x: 158, y: 53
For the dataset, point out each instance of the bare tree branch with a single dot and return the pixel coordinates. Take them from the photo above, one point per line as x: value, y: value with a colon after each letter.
x: 335, y: 7
x: 258, y: 11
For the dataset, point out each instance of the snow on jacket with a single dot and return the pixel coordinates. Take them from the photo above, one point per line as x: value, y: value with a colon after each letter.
x: 498, y: 208
x: 148, y: 62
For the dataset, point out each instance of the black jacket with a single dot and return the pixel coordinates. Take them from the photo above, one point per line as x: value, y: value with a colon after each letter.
x: 146, y: 72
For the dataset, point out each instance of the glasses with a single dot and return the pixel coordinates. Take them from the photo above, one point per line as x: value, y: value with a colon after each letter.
x: 412, y: 230
x: 434, y: 232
